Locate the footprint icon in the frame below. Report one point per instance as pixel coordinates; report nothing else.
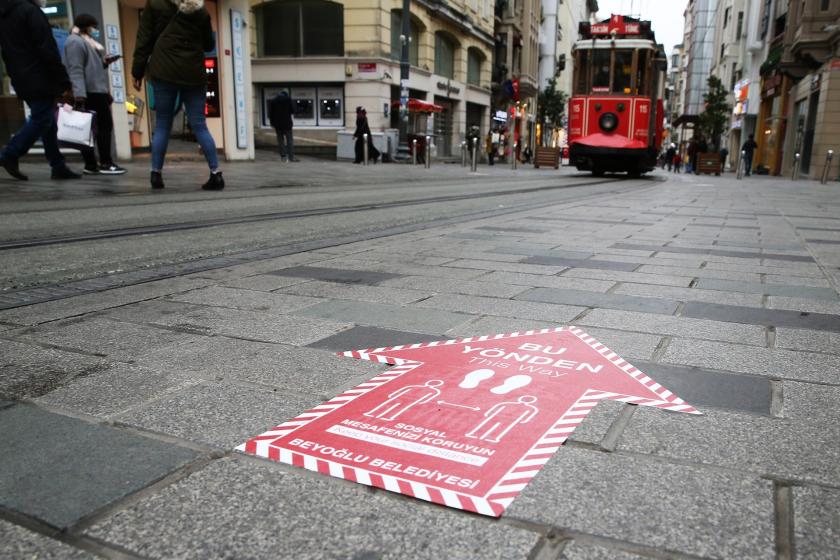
(473, 378)
(511, 384)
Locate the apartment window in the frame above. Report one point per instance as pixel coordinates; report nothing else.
(474, 60)
(444, 55)
(824, 5)
(300, 28)
(740, 26)
(726, 14)
(396, 45)
(722, 48)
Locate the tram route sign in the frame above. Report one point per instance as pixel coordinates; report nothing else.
(464, 423)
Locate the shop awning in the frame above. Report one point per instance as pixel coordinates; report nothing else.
(418, 106)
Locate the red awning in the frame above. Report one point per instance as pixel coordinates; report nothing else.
(418, 106)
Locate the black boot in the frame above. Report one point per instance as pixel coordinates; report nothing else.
(215, 183)
(64, 172)
(156, 179)
(11, 167)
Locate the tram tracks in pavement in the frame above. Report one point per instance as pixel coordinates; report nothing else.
(63, 290)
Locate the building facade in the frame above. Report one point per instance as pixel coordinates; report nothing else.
(335, 56)
(228, 107)
(698, 56)
(810, 62)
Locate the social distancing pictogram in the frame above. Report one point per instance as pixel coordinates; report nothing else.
(464, 423)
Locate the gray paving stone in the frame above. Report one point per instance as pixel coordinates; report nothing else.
(690, 294)
(767, 317)
(796, 280)
(816, 523)
(247, 300)
(799, 269)
(638, 277)
(707, 387)
(359, 338)
(680, 508)
(387, 316)
(335, 274)
(115, 390)
(356, 292)
(263, 282)
(803, 450)
(699, 273)
(59, 469)
(581, 263)
(113, 339)
(249, 509)
(498, 325)
(674, 326)
(513, 229)
(813, 341)
(28, 371)
(804, 304)
(771, 362)
(253, 325)
(801, 400)
(502, 307)
(450, 286)
(539, 250)
(594, 427)
(79, 305)
(595, 299)
(584, 551)
(17, 542)
(541, 281)
(447, 271)
(496, 266)
(718, 252)
(768, 289)
(280, 366)
(626, 344)
(220, 414)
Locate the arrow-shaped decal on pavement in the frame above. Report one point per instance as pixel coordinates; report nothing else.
(463, 423)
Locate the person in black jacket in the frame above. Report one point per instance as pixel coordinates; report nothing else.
(34, 65)
(362, 128)
(280, 110)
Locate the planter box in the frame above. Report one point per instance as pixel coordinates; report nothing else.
(708, 163)
(547, 157)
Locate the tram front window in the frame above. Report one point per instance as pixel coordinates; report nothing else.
(601, 60)
(622, 79)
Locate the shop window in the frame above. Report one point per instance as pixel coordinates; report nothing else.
(300, 28)
(444, 56)
(474, 60)
(413, 45)
(312, 105)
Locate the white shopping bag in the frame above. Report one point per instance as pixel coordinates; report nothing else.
(75, 128)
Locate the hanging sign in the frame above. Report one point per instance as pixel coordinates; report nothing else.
(463, 423)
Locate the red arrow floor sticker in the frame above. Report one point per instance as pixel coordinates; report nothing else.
(463, 423)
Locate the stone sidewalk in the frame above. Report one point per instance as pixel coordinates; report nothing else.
(127, 405)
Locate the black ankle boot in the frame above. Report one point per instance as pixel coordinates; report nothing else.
(215, 183)
(11, 167)
(156, 179)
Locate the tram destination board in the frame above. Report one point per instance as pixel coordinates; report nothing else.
(463, 423)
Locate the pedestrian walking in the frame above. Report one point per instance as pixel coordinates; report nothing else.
(490, 148)
(280, 111)
(677, 162)
(87, 66)
(691, 153)
(362, 128)
(33, 63)
(748, 149)
(171, 41)
(526, 154)
(669, 156)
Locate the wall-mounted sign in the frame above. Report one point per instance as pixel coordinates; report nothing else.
(366, 67)
(238, 44)
(448, 88)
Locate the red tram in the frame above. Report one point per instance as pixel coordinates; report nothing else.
(615, 112)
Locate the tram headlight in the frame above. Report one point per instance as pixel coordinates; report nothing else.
(608, 122)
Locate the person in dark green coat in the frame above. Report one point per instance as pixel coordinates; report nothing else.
(171, 42)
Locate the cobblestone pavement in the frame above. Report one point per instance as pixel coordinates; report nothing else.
(123, 407)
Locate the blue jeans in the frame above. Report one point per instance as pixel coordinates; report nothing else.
(193, 98)
(40, 124)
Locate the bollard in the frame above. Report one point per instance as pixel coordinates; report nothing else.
(365, 140)
(827, 166)
(428, 157)
(414, 151)
(795, 173)
(740, 173)
(474, 159)
(513, 156)
(464, 153)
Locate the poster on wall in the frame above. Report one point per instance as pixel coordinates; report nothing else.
(239, 78)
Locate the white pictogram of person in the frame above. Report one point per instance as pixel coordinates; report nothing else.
(502, 417)
(404, 398)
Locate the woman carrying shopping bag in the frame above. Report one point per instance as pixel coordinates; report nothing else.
(87, 66)
(171, 42)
